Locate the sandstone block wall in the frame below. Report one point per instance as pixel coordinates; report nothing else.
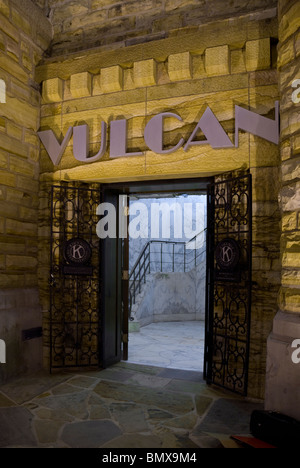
(22, 44)
(283, 375)
(289, 67)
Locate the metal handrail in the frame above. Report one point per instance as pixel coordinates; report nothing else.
(142, 266)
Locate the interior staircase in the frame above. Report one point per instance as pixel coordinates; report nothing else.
(185, 256)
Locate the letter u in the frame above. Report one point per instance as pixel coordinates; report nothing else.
(81, 143)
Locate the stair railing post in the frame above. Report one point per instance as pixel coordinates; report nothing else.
(173, 258)
(139, 276)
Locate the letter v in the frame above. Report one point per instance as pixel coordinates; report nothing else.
(54, 149)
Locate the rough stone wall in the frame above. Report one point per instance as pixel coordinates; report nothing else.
(283, 375)
(79, 25)
(22, 44)
(289, 67)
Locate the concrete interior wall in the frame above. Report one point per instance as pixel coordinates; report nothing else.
(173, 297)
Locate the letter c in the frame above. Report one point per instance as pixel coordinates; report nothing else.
(154, 134)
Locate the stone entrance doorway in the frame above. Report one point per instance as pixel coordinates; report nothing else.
(167, 279)
(89, 320)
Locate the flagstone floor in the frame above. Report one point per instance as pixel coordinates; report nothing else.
(125, 406)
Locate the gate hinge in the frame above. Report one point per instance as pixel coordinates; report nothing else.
(125, 338)
(125, 275)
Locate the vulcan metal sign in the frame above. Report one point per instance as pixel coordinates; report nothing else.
(214, 134)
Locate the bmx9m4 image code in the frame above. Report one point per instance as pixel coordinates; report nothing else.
(172, 457)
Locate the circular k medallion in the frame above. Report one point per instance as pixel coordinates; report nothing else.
(227, 254)
(77, 252)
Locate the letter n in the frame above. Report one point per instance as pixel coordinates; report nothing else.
(257, 124)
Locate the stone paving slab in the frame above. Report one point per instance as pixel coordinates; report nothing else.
(83, 381)
(152, 370)
(228, 416)
(181, 375)
(187, 421)
(130, 417)
(47, 430)
(175, 385)
(25, 388)
(177, 404)
(114, 374)
(89, 434)
(15, 427)
(5, 402)
(74, 404)
(152, 381)
(155, 414)
(121, 407)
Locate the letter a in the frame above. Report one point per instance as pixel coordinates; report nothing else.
(54, 149)
(107, 226)
(212, 129)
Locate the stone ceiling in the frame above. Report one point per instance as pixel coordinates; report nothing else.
(85, 24)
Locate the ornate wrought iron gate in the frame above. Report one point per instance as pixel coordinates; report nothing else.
(75, 282)
(228, 308)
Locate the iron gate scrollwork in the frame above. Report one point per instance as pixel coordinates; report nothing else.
(229, 283)
(74, 288)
